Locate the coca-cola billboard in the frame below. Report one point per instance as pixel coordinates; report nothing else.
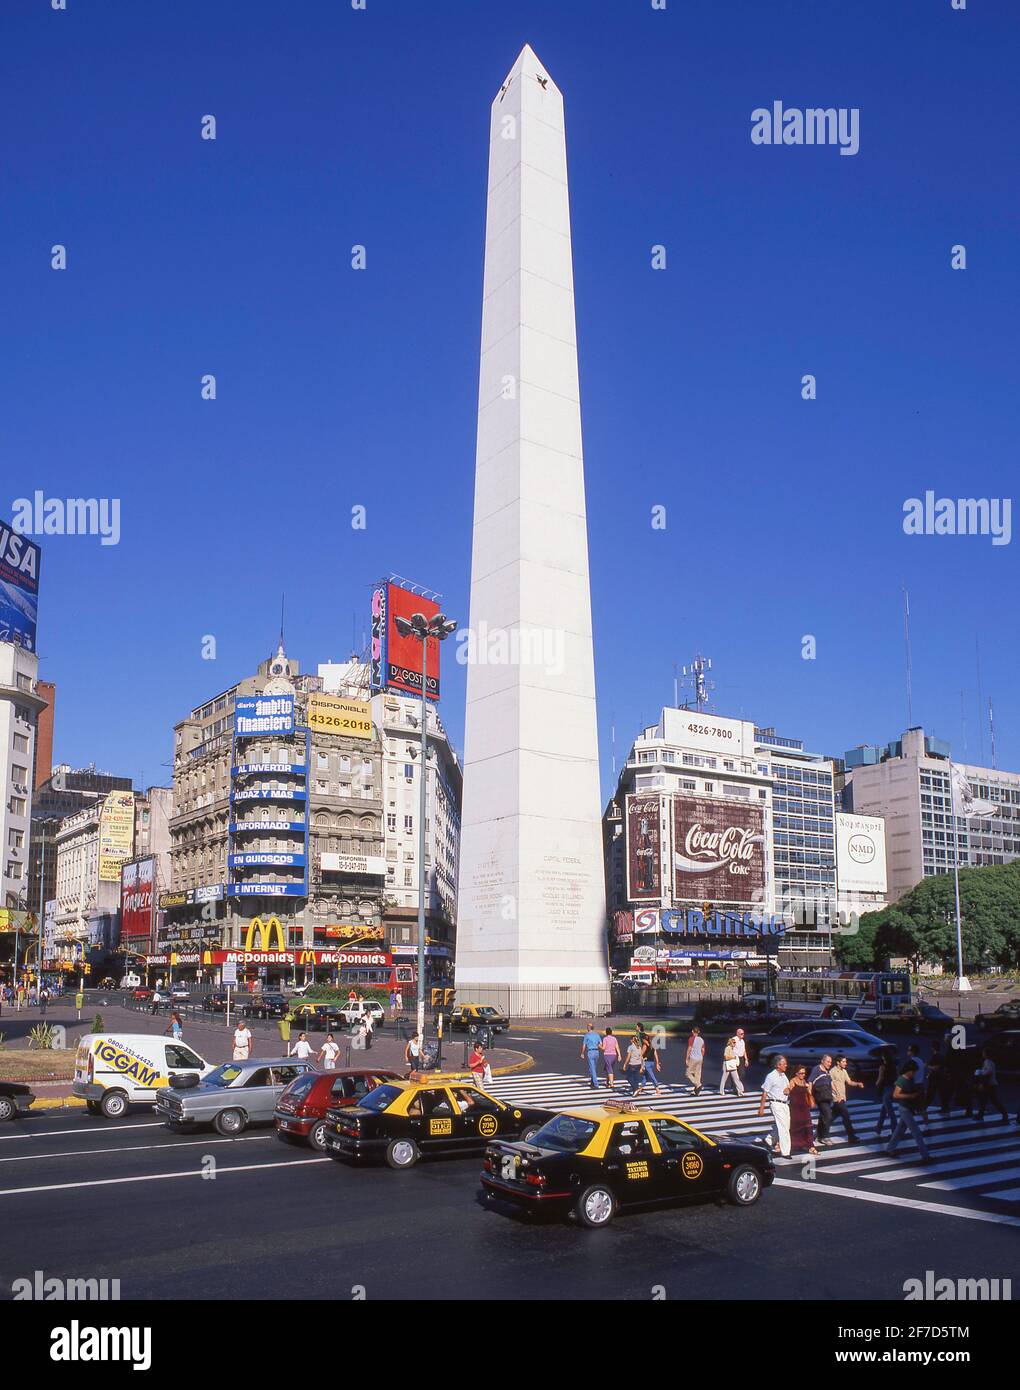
(644, 848)
(718, 851)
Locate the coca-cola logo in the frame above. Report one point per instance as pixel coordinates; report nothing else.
(732, 847)
(861, 849)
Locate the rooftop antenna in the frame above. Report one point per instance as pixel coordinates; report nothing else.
(963, 722)
(906, 640)
(981, 721)
(696, 677)
(991, 728)
(283, 599)
(676, 687)
(612, 729)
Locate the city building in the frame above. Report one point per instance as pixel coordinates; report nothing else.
(64, 792)
(908, 783)
(716, 821)
(42, 754)
(20, 706)
(397, 716)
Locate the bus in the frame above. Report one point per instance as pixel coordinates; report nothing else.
(857, 994)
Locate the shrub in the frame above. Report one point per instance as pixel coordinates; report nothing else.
(41, 1037)
(97, 1024)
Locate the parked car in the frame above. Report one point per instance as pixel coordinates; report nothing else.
(1004, 1050)
(180, 994)
(216, 1002)
(470, 1017)
(315, 1016)
(15, 1099)
(142, 992)
(232, 1097)
(916, 1018)
(1005, 1016)
(301, 1110)
(115, 1070)
(271, 1005)
(355, 1010)
(161, 996)
(863, 1050)
(789, 1028)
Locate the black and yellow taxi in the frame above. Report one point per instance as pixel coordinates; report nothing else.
(402, 1121)
(471, 1018)
(597, 1160)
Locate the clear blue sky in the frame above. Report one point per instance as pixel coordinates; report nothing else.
(338, 387)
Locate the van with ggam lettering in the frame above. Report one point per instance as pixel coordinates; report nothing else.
(115, 1070)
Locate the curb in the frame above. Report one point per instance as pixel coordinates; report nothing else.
(56, 1103)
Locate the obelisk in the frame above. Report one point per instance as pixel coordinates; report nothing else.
(531, 906)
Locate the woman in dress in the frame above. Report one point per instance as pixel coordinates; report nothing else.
(802, 1133)
(610, 1056)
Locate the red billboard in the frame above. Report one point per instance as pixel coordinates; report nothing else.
(136, 899)
(644, 848)
(396, 660)
(718, 851)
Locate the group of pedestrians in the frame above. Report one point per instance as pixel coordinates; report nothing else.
(792, 1093)
(734, 1063)
(24, 996)
(637, 1066)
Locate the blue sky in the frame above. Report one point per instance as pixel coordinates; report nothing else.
(338, 388)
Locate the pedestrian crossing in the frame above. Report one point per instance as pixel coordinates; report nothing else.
(978, 1162)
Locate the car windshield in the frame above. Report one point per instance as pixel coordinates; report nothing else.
(379, 1099)
(222, 1076)
(487, 1012)
(566, 1133)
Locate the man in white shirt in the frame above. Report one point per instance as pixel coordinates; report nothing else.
(776, 1090)
(740, 1052)
(302, 1048)
(242, 1042)
(329, 1052)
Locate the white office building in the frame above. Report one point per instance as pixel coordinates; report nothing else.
(20, 706)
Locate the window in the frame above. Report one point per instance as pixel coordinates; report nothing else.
(19, 773)
(391, 820)
(16, 838)
(14, 869)
(17, 805)
(20, 743)
(322, 761)
(408, 825)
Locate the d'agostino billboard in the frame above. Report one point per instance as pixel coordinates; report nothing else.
(396, 660)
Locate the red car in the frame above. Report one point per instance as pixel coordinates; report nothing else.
(141, 993)
(301, 1110)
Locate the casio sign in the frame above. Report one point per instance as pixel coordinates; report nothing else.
(861, 849)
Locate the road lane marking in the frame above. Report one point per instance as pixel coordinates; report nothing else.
(82, 1133)
(910, 1202)
(158, 1177)
(922, 1169)
(975, 1180)
(883, 1160)
(133, 1148)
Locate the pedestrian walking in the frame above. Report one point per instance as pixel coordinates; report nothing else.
(368, 1023)
(740, 1052)
(731, 1068)
(476, 1063)
(393, 1002)
(44, 999)
(302, 1048)
(175, 1028)
(590, 1047)
(936, 1083)
(695, 1059)
(802, 1133)
(610, 1057)
(632, 1065)
(329, 1052)
(921, 1077)
(400, 1001)
(650, 1065)
(907, 1099)
(988, 1087)
(821, 1089)
(885, 1083)
(413, 1053)
(775, 1089)
(841, 1081)
(243, 1042)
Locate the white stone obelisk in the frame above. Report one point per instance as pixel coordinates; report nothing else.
(532, 908)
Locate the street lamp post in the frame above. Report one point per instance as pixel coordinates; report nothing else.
(440, 627)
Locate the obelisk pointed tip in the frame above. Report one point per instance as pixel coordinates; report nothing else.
(529, 67)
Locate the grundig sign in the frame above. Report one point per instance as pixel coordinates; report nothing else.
(265, 930)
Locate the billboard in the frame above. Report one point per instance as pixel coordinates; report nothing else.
(860, 854)
(263, 714)
(330, 714)
(352, 864)
(718, 850)
(709, 733)
(19, 588)
(136, 898)
(644, 848)
(116, 834)
(396, 660)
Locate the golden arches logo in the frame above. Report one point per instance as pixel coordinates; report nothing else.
(265, 930)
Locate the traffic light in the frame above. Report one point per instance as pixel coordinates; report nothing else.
(86, 969)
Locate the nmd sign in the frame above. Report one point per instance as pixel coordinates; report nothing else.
(860, 854)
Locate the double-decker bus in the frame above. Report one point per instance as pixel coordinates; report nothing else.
(859, 994)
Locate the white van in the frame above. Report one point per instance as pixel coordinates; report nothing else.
(115, 1070)
(131, 981)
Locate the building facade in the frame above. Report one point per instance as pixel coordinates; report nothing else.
(42, 756)
(907, 782)
(20, 706)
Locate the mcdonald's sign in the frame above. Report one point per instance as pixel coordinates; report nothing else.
(265, 931)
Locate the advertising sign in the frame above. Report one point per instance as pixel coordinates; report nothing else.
(352, 864)
(263, 714)
(644, 848)
(354, 932)
(709, 733)
(116, 834)
(860, 854)
(136, 898)
(265, 859)
(396, 660)
(718, 850)
(267, 890)
(19, 588)
(329, 714)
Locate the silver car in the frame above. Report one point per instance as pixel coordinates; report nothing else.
(863, 1050)
(232, 1097)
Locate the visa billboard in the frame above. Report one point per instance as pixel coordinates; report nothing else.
(19, 588)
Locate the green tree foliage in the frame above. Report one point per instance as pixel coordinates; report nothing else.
(922, 924)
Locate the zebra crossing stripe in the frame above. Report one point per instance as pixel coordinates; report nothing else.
(883, 1160)
(975, 1180)
(901, 1203)
(955, 1164)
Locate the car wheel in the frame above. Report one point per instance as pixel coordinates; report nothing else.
(402, 1153)
(528, 1134)
(317, 1136)
(229, 1122)
(595, 1207)
(8, 1110)
(113, 1105)
(92, 1106)
(744, 1187)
